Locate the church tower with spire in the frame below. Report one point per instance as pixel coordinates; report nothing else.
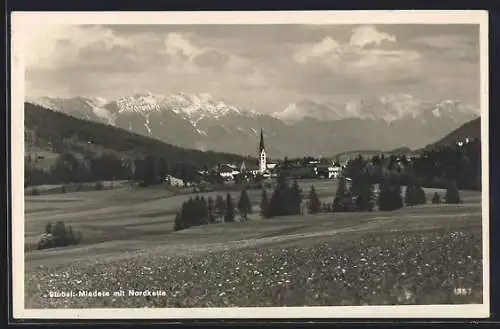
(262, 154)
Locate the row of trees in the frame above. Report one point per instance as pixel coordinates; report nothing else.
(286, 199)
(360, 196)
(201, 211)
(75, 167)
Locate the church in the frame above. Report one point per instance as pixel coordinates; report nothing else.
(264, 167)
(229, 171)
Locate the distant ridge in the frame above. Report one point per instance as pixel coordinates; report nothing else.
(307, 127)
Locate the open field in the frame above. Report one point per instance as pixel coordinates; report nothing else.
(415, 255)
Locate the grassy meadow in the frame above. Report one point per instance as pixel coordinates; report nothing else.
(414, 255)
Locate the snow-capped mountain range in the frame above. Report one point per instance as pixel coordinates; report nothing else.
(389, 108)
(305, 127)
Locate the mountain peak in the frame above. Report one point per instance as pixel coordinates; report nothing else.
(202, 122)
(389, 107)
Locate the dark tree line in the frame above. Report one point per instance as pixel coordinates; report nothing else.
(439, 167)
(73, 168)
(434, 168)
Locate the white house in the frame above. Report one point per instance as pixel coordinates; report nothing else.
(228, 171)
(334, 171)
(174, 181)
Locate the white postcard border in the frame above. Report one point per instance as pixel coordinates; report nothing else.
(20, 20)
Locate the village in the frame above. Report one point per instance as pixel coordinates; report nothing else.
(307, 167)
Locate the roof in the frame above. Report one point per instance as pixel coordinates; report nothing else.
(261, 145)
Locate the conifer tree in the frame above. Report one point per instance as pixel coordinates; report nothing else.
(229, 216)
(204, 211)
(276, 204)
(452, 194)
(420, 197)
(314, 205)
(264, 205)
(188, 213)
(363, 190)
(389, 196)
(177, 222)
(244, 204)
(279, 204)
(210, 210)
(296, 193)
(397, 197)
(162, 169)
(220, 205)
(183, 218)
(149, 171)
(342, 187)
(197, 209)
(410, 195)
(340, 200)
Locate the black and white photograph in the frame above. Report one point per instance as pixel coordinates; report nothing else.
(250, 164)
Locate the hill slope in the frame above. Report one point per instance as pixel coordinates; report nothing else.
(53, 133)
(471, 130)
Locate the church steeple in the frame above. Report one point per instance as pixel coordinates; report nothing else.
(261, 145)
(262, 153)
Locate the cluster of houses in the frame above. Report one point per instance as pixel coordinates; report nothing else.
(311, 169)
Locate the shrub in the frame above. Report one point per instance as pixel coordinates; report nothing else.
(436, 198)
(48, 228)
(343, 204)
(99, 186)
(58, 235)
(46, 241)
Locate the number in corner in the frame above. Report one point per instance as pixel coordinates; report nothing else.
(462, 291)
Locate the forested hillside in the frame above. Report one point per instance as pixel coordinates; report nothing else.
(470, 130)
(89, 151)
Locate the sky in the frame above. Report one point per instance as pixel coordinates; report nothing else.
(259, 67)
